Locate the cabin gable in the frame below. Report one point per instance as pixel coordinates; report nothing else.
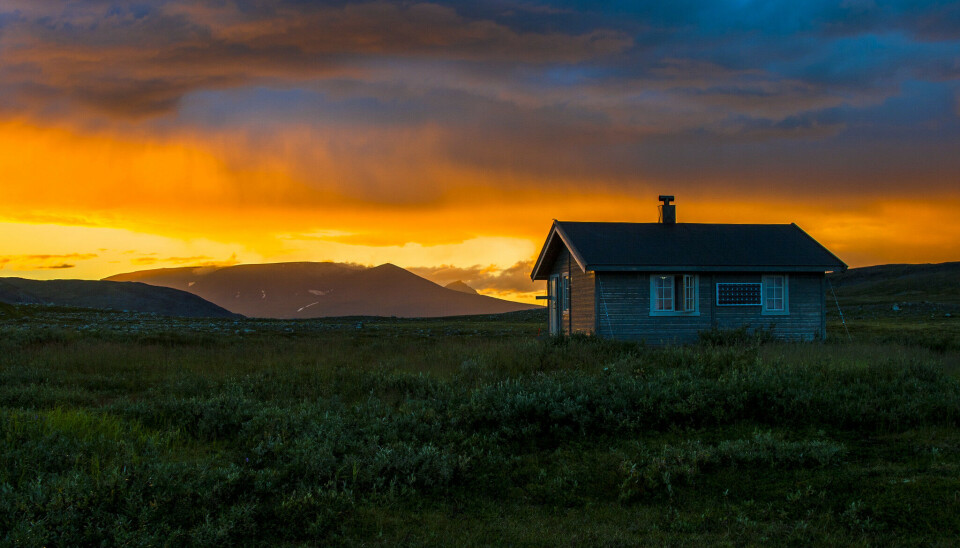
(577, 315)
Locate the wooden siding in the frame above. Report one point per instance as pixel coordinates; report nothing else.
(805, 301)
(623, 309)
(624, 303)
(581, 317)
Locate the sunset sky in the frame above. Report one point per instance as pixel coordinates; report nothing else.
(445, 137)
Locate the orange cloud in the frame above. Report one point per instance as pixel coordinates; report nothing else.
(42, 262)
(197, 260)
(189, 188)
(510, 283)
(268, 203)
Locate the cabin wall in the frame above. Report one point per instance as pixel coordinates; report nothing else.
(623, 309)
(623, 302)
(806, 304)
(581, 317)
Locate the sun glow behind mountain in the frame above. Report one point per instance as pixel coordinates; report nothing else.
(444, 139)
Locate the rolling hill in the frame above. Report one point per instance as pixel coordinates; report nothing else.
(893, 283)
(314, 290)
(136, 297)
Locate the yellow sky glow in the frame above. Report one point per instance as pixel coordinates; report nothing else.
(93, 204)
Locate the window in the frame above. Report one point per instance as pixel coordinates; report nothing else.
(689, 293)
(553, 290)
(565, 293)
(674, 295)
(771, 294)
(775, 295)
(738, 294)
(663, 295)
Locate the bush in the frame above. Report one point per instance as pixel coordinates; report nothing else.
(297, 441)
(657, 472)
(740, 336)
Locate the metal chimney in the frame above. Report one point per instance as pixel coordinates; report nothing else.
(668, 211)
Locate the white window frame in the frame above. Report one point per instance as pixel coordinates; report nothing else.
(687, 294)
(767, 286)
(565, 292)
(691, 290)
(664, 293)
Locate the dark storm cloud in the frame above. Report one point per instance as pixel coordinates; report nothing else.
(131, 60)
(109, 54)
(830, 94)
(134, 98)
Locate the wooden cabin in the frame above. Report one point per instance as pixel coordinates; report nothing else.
(665, 282)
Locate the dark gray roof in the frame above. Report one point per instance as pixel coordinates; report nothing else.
(685, 247)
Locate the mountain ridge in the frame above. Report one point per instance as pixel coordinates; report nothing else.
(462, 287)
(132, 296)
(322, 289)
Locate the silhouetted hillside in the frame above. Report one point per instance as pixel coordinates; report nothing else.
(135, 297)
(893, 283)
(313, 290)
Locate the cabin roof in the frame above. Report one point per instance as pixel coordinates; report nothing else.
(686, 247)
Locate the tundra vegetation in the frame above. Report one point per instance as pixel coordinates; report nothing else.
(120, 428)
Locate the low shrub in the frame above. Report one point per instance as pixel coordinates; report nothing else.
(739, 336)
(657, 472)
(251, 440)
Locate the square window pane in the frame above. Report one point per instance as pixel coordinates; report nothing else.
(774, 288)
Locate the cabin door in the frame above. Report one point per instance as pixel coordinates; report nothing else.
(553, 292)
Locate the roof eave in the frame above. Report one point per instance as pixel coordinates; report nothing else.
(716, 268)
(535, 273)
(556, 230)
(567, 241)
(842, 265)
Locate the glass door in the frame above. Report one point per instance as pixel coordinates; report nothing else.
(553, 292)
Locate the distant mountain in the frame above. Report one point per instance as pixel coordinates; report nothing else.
(460, 286)
(136, 297)
(314, 290)
(890, 283)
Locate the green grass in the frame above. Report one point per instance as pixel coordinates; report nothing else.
(133, 429)
(938, 333)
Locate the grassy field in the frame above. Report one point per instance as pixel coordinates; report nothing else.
(127, 429)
